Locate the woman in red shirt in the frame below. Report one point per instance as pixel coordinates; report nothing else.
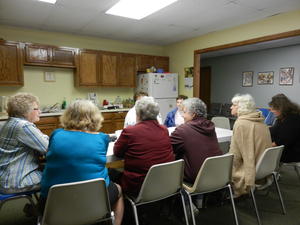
(145, 144)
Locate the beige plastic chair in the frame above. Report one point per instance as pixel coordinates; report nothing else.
(266, 166)
(78, 203)
(162, 181)
(222, 122)
(214, 174)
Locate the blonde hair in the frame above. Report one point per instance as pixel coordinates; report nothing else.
(20, 104)
(245, 104)
(82, 115)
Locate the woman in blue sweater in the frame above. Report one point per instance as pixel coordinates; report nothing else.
(77, 152)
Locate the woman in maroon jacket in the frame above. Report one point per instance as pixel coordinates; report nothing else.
(196, 139)
(145, 144)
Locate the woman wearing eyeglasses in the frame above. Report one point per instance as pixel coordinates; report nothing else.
(21, 143)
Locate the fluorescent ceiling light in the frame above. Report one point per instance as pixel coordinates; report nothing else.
(138, 9)
(48, 1)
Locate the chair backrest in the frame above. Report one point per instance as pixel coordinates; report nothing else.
(268, 162)
(161, 181)
(77, 203)
(214, 173)
(222, 122)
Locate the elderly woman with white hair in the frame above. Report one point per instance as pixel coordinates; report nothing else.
(196, 139)
(21, 142)
(251, 137)
(145, 144)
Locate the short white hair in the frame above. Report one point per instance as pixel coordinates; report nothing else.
(146, 108)
(195, 106)
(245, 103)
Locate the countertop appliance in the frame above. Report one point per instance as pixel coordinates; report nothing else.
(163, 87)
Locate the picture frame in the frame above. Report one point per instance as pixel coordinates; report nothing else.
(265, 77)
(247, 79)
(286, 76)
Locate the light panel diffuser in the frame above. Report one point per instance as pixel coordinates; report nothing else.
(138, 9)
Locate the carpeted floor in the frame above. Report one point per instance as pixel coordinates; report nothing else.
(268, 205)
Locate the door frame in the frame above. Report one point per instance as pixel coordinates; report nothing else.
(197, 53)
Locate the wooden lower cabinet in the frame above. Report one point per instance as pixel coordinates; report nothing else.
(48, 124)
(112, 121)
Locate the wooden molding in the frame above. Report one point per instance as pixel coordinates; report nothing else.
(250, 41)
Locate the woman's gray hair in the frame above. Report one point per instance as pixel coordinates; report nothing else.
(245, 103)
(19, 105)
(146, 108)
(82, 115)
(195, 106)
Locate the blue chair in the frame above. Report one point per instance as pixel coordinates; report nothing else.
(264, 111)
(27, 195)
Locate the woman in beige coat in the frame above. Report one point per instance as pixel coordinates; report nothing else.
(251, 137)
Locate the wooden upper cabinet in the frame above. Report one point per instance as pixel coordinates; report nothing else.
(43, 55)
(127, 70)
(11, 64)
(37, 54)
(161, 62)
(63, 56)
(144, 62)
(87, 73)
(109, 68)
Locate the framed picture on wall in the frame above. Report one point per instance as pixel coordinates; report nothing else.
(286, 76)
(265, 77)
(247, 78)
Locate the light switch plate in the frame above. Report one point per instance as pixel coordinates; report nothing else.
(49, 76)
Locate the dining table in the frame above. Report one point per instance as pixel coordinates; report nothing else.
(223, 135)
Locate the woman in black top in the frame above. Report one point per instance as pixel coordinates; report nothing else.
(286, 130)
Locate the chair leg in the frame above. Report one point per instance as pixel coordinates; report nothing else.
(233, 205)
(296, 167)
(279, 193)
(255, 206)
(134, 211)
(184, 208)
(191, 208)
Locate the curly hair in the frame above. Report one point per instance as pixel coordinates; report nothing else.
(246, 104)
(146, 108)
(82, 115)
(20, 104)
(195, 106)
(284, 105)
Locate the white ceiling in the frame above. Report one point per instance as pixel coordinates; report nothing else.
(182, 20)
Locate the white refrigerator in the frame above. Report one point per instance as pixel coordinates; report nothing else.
(163, 87)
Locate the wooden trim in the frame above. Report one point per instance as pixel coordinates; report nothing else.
(196, 80)
(250, 41)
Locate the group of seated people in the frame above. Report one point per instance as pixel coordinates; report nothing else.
(77, 151)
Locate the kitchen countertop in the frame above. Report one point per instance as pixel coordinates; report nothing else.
(4, 117)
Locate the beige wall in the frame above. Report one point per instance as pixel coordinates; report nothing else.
(182, 54)
(52, 92)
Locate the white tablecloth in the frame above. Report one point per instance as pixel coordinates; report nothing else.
(223, 135)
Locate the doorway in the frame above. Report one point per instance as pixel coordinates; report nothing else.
(205, 85)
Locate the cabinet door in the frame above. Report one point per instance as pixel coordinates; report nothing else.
(87, 73)
(37, 54)
(109, 68)
(127, 70)
(63, 56)
(11, 64)
(161, 62)
(47, 124)
(144, 62)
